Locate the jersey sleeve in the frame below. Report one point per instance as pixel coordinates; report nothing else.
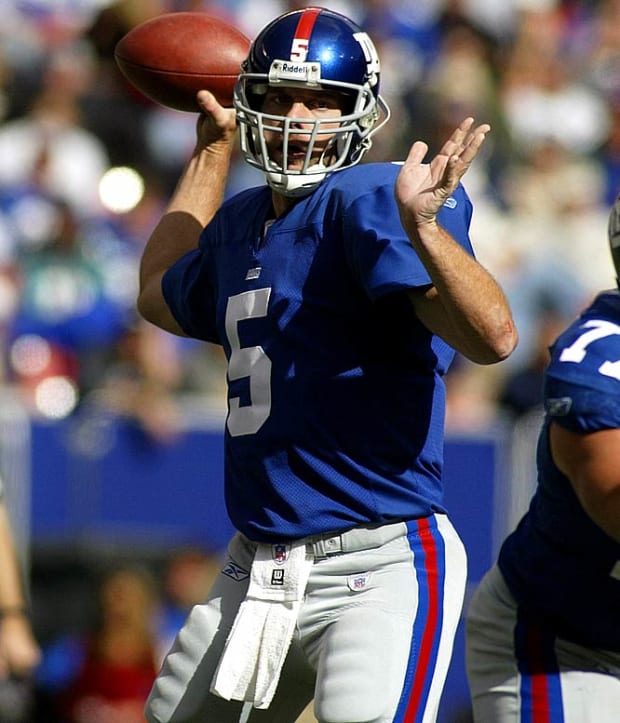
(582, 382)
(379, 250)
(188, 291)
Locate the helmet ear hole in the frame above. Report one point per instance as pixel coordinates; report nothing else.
(349, 101)
(255, 94)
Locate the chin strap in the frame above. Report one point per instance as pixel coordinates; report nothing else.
(296, 185)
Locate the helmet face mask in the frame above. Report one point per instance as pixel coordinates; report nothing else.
(309, 50)
(613, 233)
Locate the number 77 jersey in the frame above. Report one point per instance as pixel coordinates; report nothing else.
(582, 382)
(558, 559)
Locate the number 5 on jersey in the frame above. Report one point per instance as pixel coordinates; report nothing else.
(250, 362)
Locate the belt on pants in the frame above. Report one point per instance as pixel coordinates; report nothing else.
(358, 538)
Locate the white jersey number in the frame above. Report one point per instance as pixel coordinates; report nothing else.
(597, 329)
(251, 362)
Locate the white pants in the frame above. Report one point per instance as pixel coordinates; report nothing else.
(373, 642)
(574, 684)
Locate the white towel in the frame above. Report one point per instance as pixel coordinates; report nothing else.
(258, 642)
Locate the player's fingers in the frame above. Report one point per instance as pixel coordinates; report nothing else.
(458, 137)
(462, 137)
(482, 128)
(477, 138)
(458, 163)
(417, 152)
(215, 122)
(208, 102)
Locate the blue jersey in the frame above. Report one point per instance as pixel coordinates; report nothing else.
(336, 397)
(558, 563)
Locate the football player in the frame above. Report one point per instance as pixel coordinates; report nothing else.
(340, 293)
(543, 629)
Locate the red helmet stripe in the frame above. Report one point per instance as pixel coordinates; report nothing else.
(304, 29)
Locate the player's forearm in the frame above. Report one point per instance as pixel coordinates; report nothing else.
(200, 190)
(474, 316)
(197, 197)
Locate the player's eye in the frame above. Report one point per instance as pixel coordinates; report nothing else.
(281, 100)
(320, 104)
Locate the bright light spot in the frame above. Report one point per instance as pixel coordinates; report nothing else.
(121, 189)
(56, 397)
(30, 355)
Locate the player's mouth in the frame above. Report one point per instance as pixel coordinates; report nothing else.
(296, 154)
(295, 149)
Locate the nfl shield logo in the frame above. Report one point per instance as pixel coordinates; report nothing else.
(280, 554)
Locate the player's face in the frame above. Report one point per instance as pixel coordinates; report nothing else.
(306, 106)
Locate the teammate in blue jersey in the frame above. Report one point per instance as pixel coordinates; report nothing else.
(543, 630)
(340, 293)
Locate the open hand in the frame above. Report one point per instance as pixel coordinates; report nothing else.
(422, 188)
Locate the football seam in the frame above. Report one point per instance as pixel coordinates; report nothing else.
(165, 71)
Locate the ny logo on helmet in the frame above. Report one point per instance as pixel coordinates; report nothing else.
(371, 55)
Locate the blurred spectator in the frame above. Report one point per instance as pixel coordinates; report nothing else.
(543, 254)
(140, 381)
(604, 59)
(542, 95)
(113, 109)
(187, 578)
(64, 303)
(19, 651)
(104, 675)
(470, 398)
(49, 147)
(407, 36)
(462, 81)
(609, 153)
(5, 81)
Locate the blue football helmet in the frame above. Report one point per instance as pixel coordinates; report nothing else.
(311, 49)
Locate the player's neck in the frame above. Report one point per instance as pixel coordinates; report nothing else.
(281, 204)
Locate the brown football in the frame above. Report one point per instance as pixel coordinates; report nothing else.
(171, 57)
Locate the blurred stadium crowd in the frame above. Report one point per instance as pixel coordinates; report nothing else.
(87, 164)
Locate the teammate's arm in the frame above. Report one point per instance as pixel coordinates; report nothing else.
(465, 305)
(197, 197)
(592, 464)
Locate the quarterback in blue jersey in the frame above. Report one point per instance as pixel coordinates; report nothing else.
(340, 293)
(543, 632)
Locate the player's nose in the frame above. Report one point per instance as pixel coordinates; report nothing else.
(298, 109)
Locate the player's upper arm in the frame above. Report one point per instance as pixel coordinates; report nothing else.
(153, 307)
(592, 464)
